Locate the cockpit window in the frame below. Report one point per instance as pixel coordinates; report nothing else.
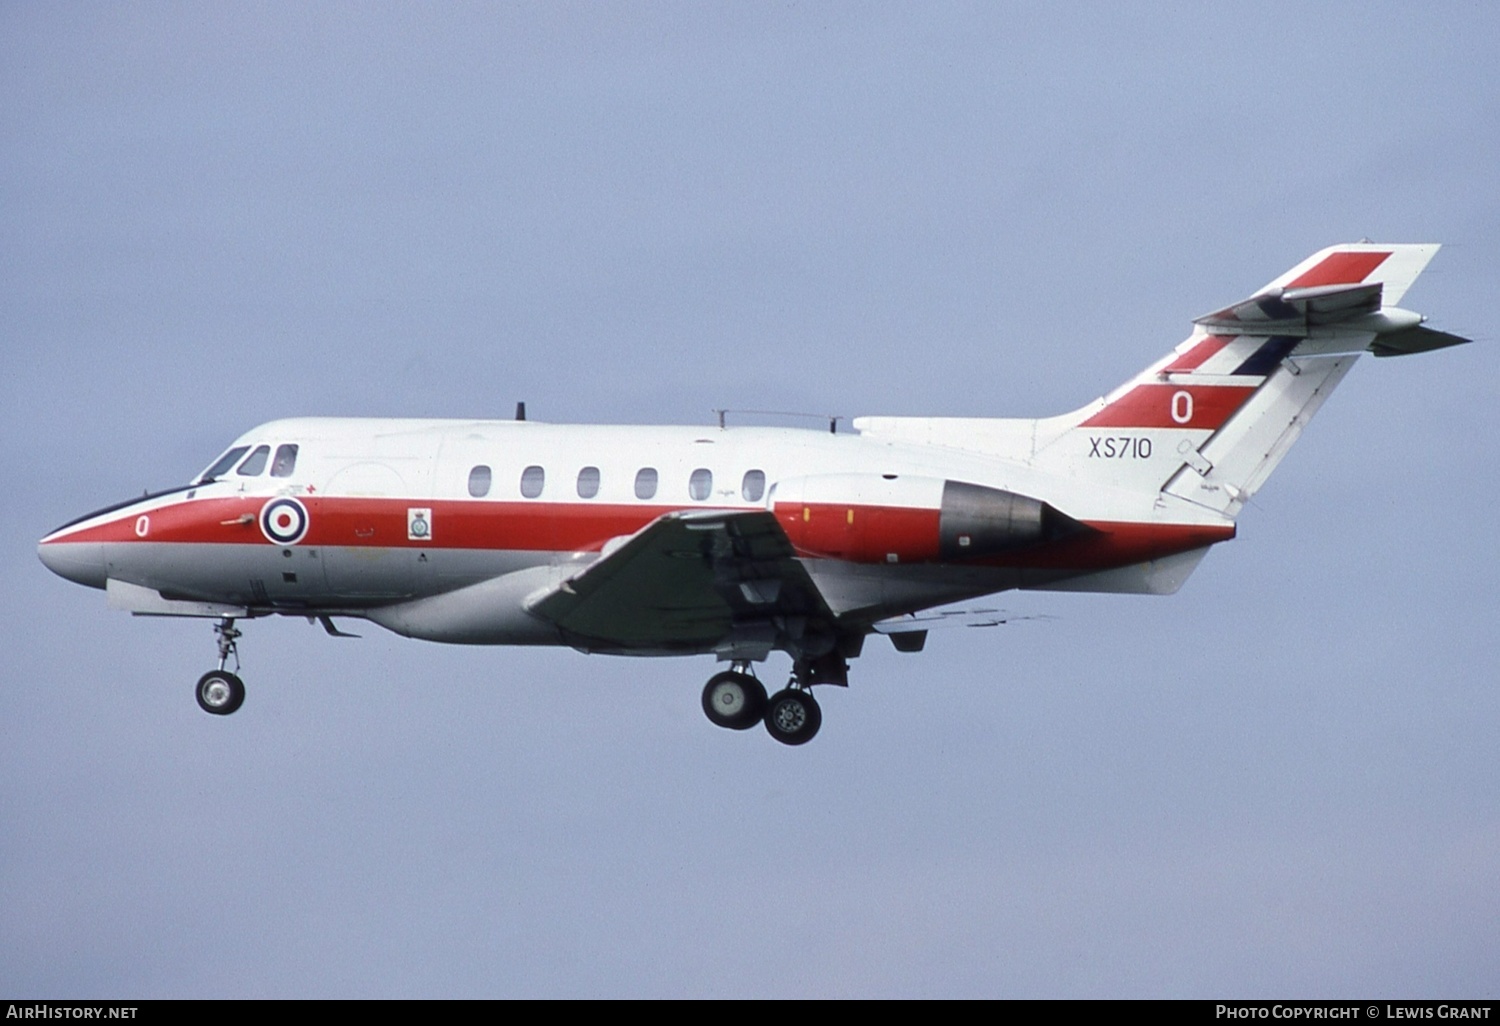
(223, 463)
(285, 461)
(255, 463)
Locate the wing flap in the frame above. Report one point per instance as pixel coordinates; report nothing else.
(687, 582)
(935, 618)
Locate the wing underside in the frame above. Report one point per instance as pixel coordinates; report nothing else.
(722, 581)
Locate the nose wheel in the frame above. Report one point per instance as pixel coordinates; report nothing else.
(221, 692)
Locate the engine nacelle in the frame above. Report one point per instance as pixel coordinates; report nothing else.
(899, 518)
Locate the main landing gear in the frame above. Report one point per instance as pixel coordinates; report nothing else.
(736, 700)
(793, 716)
(219, 691)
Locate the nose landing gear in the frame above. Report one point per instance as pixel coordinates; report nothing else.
(219, 691)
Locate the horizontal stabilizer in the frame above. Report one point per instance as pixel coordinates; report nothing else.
(1295, 310)
(1414, 340)
(1393, 265)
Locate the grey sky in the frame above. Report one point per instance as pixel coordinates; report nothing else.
(1280, 781)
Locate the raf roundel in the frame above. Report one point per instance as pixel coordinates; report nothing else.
(283, 521)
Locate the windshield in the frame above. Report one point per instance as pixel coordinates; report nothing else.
(222, 464)
(255, 463)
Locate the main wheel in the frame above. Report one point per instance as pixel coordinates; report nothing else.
(793, 717)
(734, 700)
(220, 692)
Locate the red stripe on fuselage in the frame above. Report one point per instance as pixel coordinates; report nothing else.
(382, 523)
(861, 534)
(872, 534)
(1173, 406)
(190, 521)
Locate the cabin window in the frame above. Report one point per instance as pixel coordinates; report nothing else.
(223, 463)
(532, 480)
(701, 484)
(645, 483)
(588, 482)
(754, 485)
(285, 461)
(255, 463)
(479, 481)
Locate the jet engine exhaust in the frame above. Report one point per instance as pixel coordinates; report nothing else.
(975, 521)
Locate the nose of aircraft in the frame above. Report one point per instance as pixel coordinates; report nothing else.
(81, 562)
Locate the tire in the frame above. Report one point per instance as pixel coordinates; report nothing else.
(734, 700)
(793, 717)
(220, 692)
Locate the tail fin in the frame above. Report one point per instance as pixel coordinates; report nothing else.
(1209, 421)
(1300, 335)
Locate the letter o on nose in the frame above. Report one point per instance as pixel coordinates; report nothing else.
(142, 526)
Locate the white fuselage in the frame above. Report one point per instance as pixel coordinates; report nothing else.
(388, 513)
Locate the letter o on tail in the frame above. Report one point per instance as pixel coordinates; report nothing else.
(283, 521)
(1182, 407)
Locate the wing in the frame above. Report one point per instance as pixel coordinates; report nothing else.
(724, 581)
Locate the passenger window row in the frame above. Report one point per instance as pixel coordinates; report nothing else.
(700, 483)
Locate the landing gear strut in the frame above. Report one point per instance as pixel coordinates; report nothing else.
(219, 691)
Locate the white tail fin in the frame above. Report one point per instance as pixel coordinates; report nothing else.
(1209, 421)
(1226, 469)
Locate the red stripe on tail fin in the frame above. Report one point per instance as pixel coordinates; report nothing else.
(1339, 269)
(1173, 406)
(1198, 355)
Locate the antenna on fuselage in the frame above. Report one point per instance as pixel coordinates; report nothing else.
(833, 421)
(520, 411)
